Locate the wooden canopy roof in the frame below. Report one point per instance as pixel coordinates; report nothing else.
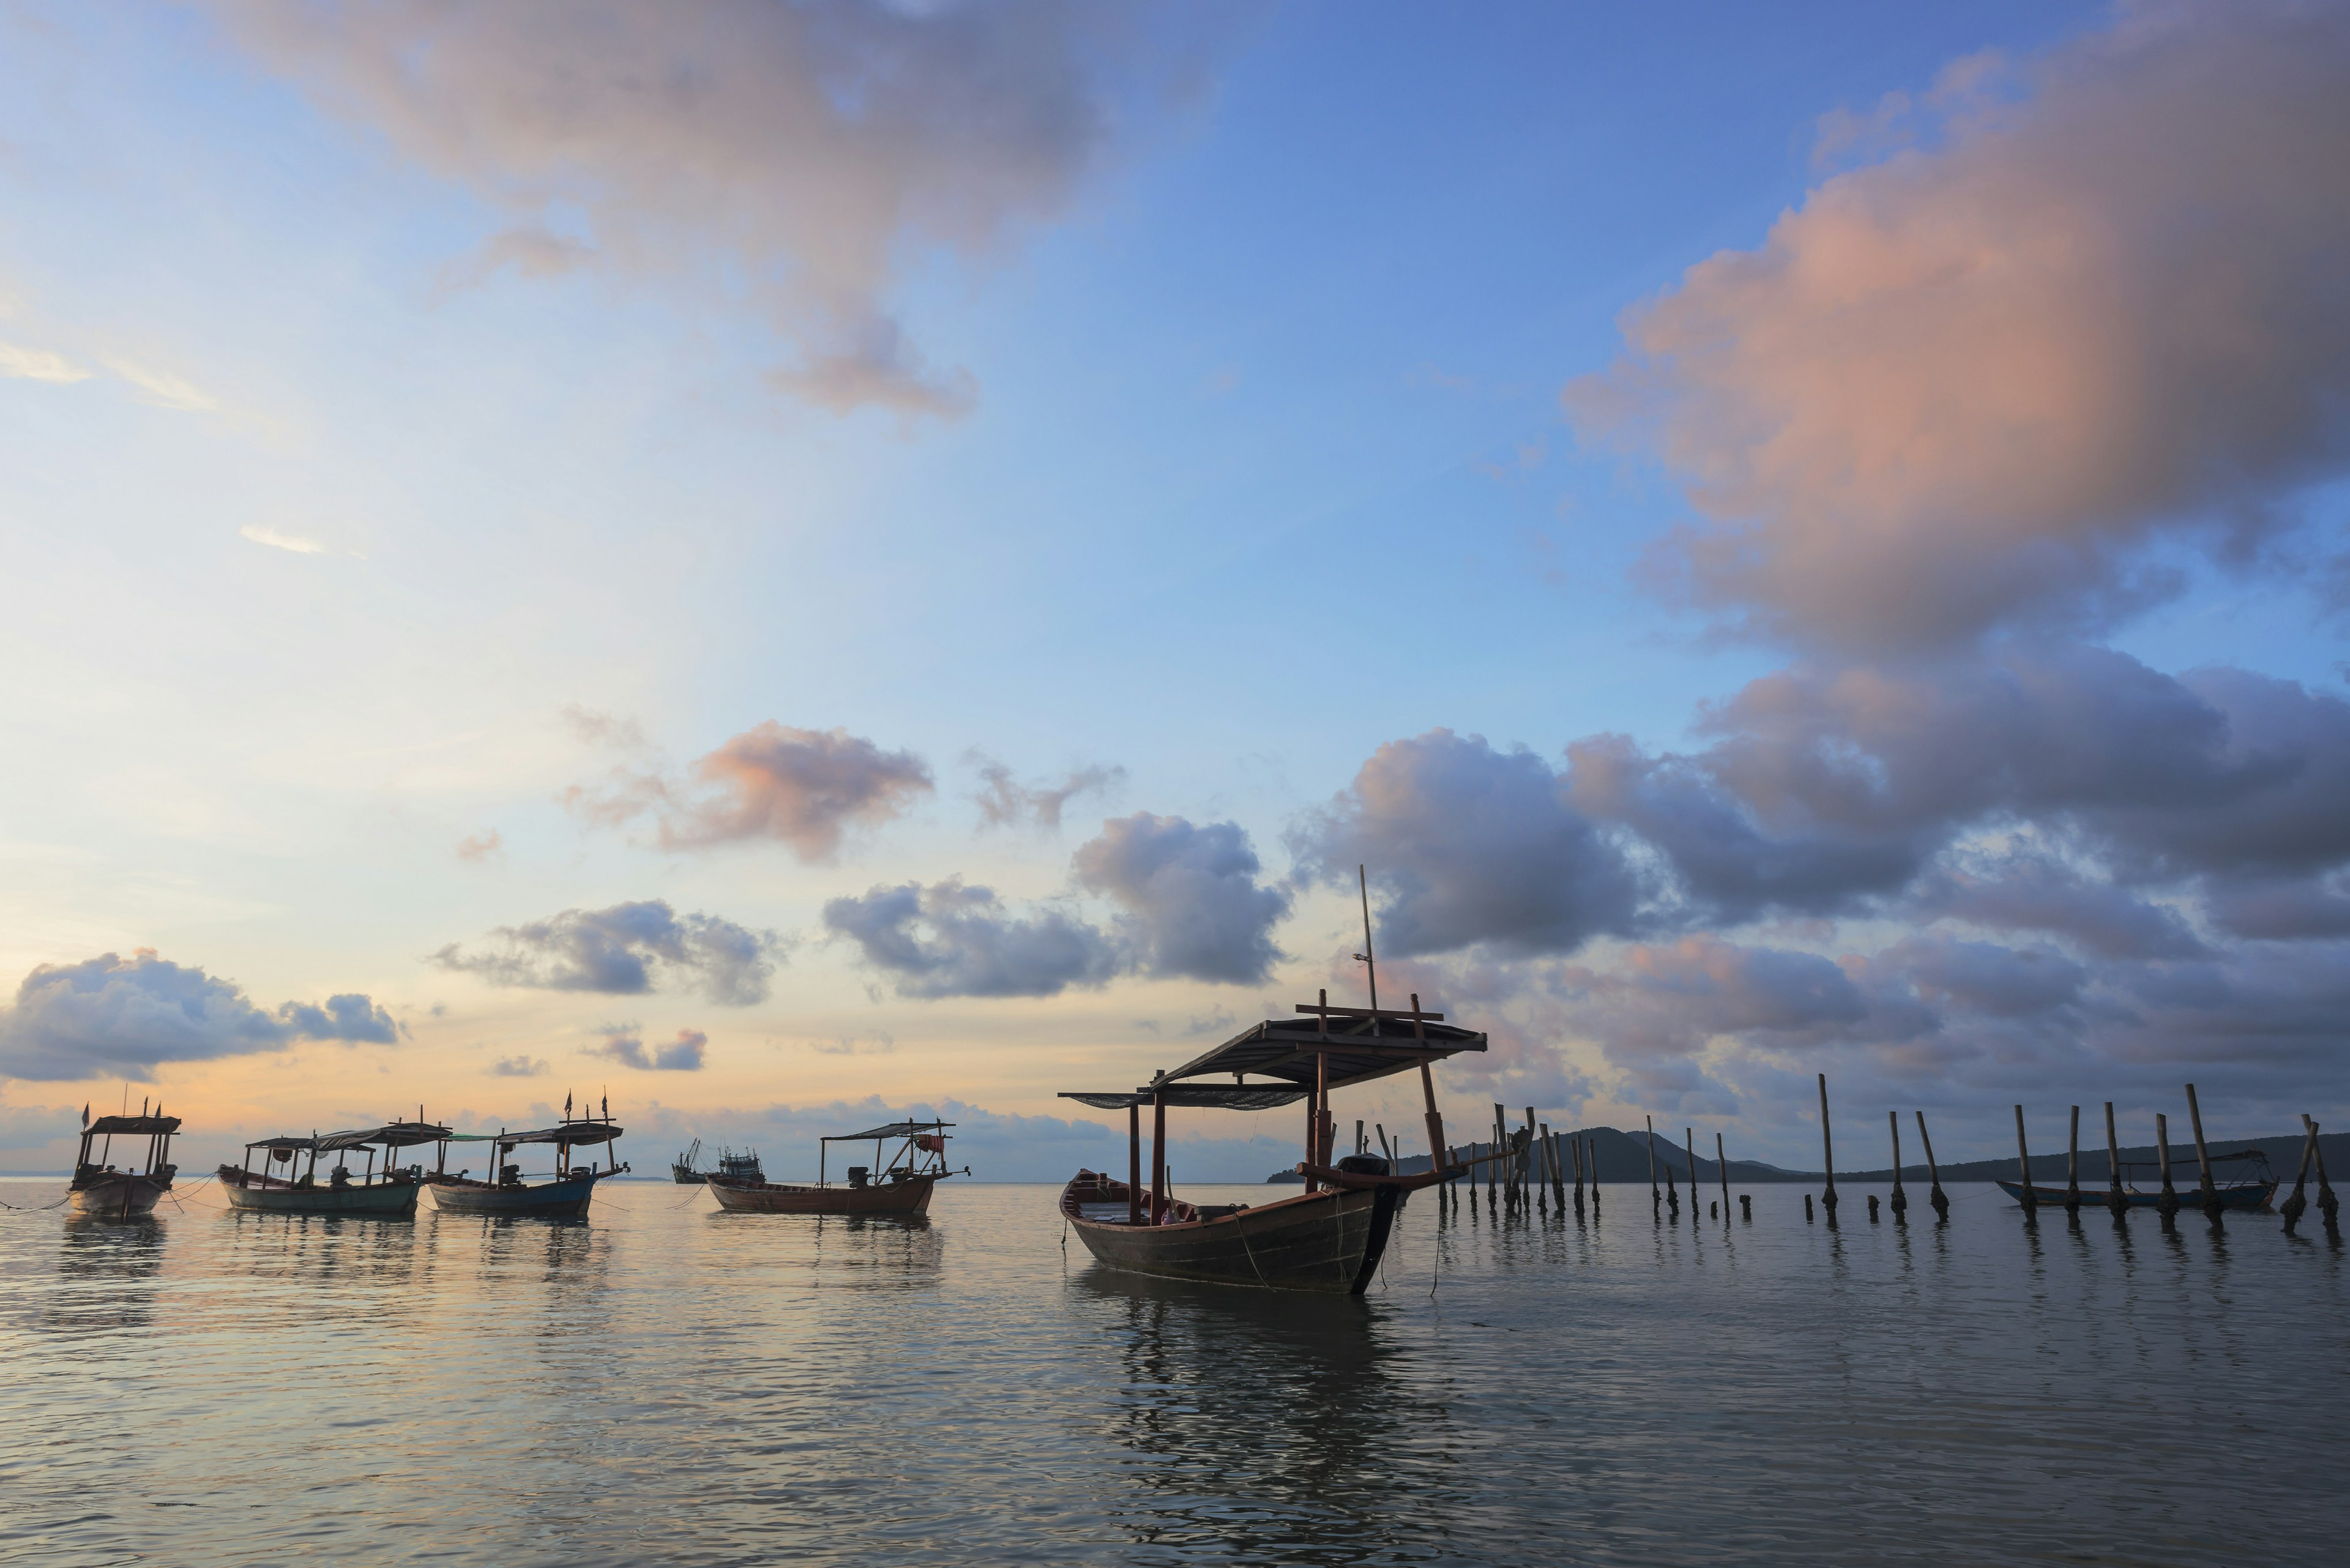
(1360, 1044)
(118, 1125)
(1216, 1096)
(894, 1129)
(576, 1133)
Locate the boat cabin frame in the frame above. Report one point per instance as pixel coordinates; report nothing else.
(157, 1128)
(922, 1151)
(589, 1132)
(289, 1150)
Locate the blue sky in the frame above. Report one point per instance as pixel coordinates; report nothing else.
(393, 470)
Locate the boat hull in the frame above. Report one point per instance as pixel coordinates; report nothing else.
(2254, 1197)
(120, 1196)
(1327, 1241)
(909, 1196)
(382, 1200)
(564, 1199)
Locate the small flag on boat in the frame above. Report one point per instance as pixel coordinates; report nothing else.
(608, 1107)
(85, 1114)
(567, 1102)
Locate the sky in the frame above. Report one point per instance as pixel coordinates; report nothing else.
(781, 565)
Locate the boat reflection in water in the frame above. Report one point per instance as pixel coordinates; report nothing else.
(1329, 1237)
(109, 1268)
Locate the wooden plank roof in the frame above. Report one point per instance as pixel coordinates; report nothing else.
(1214, 1097)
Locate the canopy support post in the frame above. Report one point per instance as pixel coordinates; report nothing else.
(1158, 1151)
(1134, 1163)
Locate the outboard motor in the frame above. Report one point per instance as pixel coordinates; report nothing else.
(858, 1175)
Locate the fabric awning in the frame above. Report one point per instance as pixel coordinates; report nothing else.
(895, 1129)
(1360, 1045)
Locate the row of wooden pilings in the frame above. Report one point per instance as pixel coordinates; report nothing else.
(1525, 1172)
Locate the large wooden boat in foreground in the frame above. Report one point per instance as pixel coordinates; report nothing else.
(386, 1194)
(1328, 1238)
(564, 1194)
(99, 1188)
(900, 1185)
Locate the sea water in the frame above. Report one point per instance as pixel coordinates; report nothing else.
(665, 1384)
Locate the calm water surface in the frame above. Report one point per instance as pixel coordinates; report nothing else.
(665, 1383)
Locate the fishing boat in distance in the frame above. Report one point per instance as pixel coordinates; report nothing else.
(681, 1169)
(2252, 1187)
(386, 1194)
(563, 1194)
(97, 1188)
(900, 1186)
(1328, 1238)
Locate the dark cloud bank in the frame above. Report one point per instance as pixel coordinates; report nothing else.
(112, 1017)
(625, 950)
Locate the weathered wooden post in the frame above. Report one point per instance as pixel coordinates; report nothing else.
(1575, 1148)
(2294, 1207)
(2328, 1204)
(2072, 1167)
(1933, 1174)
(1722, 1169)
(2117, 1200)
(2203, 1159)
(1689, 1152)
(1543, 1182)
(2169, 1205)
(1591, 1154)
(1827, 1153)
(1807, 1208)
(2023, 1161)
(1528, 1163)
(1900, 1199)
(1557, 1169)
(1746, 1206)
(1656, 1198)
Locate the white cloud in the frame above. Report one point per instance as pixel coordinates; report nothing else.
(277, 540)
(20, 363)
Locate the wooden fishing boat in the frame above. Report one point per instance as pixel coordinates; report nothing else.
(2251, 1189)
(900, 1186)
(681, 1169)
(1330, 1237)
(99, 1188)
(563, 1194)
(386, 1194)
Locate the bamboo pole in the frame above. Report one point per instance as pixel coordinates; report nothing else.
(2116, 1200)
(1900, 1199)
(1827, 1153)
(2203, 1159)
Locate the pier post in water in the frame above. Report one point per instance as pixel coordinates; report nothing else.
(1722, 1169)
(1933, 1174)
(1807, 1208)
(2115, 1198)
(2294, 1207)
(2072, 1167)
(2328, 1204)
(1689, 1152)
(2168, 1207)
(1900, 1199)
(2023, 1162)
(1872, 1208)
(1746, 1206)
(1543, 1182)
(1656, 1199)
(1827, 1153)
(1575, 1148)
(1557, 1167)
(1591, 1159)
(2202, 1158)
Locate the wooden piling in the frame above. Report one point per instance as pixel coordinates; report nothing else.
(2294, 1207)
(2328, 1204)
(2023, 1162)
(1575, 1146)
(2168, 1207)
(2115, 1200)
(1827, 1153)
(1543, 1182)
(1746, 1206)
(2073, 1167)
(1935, 1196)
(1722, 1169)
(1807, 1208)
(2203, 1159)
(1656, 1199)
(1689, 1152)
(1900, 1199)
(1591, 1159)
(1872, 1208)
(1557, 1169)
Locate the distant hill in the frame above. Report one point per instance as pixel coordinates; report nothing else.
(1624, 1158)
